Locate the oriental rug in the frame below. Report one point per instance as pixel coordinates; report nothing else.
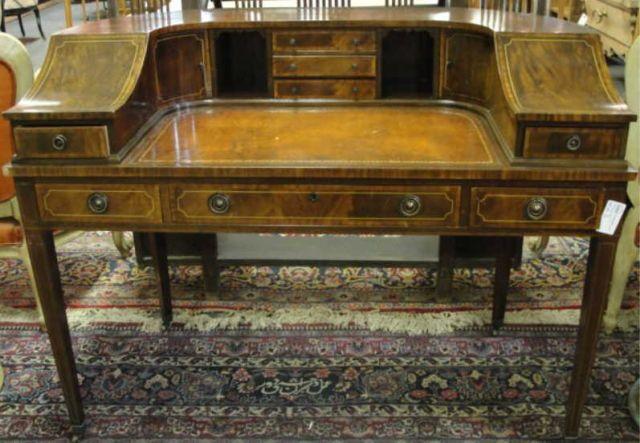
(245, 365)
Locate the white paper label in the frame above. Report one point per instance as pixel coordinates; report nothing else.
(611, 216)
(582, 21)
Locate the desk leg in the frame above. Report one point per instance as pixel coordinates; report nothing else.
(210, 268)
(47, 278)
(596, 287)
(446, 261)
(158, 251)
(504, 260)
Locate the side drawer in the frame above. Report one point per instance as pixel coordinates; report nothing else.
(343, 89)
(324, 66)
(323, 41)
(540, 208)
(62, 142)
(99, 203)
(567, 142)
(318, 205)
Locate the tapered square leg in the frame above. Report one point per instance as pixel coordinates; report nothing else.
(47, 279)
(210, 268)
(504, 260)
(596, 288)
(446, 259)
(158, 251)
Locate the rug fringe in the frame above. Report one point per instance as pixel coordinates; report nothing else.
(432, 323)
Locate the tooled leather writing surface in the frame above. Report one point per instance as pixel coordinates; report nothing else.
(344, 136)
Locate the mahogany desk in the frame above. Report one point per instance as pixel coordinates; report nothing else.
(406, 121)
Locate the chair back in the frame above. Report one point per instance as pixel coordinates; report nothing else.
(632, 97)
(16, 76)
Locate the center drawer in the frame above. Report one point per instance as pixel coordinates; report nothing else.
(324, 66)
(320, 205)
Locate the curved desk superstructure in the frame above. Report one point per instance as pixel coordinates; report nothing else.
(373, 120)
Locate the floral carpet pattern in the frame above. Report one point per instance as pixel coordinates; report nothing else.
(318, 384)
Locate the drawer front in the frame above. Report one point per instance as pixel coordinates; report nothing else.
(540, 208)
(559, 142)
(341, 89)
(324, 66)
(324, 41)
(321, 205)
(62, 142)
(617, 23)
(99, 203)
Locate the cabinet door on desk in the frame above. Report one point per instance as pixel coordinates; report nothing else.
(467, 58)
(181, 66)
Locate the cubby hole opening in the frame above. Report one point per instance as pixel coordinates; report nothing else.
(407, 64)
(241, 64)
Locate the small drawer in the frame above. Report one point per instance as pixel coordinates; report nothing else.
(99, 203)
(540, 208)
(324, 41)
(340, 89)
(324, 66)
(317, 205)
(566, 142)
(62, 142)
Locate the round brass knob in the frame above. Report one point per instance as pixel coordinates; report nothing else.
(293, 67)
(410, 205)
(98, 203)
(295, 89)
(537, 208)
(292, 42)
(219, 203)
(59, 142)
(313, 197)
(354, 66)
(356, 42)
(574, 143)
(355, 89)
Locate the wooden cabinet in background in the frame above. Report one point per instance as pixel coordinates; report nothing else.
(617, 23)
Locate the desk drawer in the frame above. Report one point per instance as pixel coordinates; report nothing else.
(540, 208)
(341, 89)
(99, 203)
(323, 41)
(62, 142)
(566, 142)
(317, 205)
(324, 66)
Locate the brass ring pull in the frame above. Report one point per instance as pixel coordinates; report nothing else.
(410, 205)
(574, 143)
(599, 15)
(59, 142)
(219, 203)
(356, 42)
(295, 89)
(293, 67)
(537, 208)
(292, 42)
(354, 66)
(355, 89)
(98, 203)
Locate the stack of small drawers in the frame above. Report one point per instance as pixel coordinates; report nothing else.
(324, 64)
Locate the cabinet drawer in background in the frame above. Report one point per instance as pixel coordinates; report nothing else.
(318, 205)
(340, 89)
(564, 142)
(99, 203)
(323, 41)
(62, 142)
(540, 208)
(324, 66)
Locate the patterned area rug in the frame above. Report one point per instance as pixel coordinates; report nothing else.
(309, 377)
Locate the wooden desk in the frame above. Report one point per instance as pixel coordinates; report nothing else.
(407, 121)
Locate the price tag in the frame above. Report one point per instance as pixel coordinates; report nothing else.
(611, 216)
(582, 21)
